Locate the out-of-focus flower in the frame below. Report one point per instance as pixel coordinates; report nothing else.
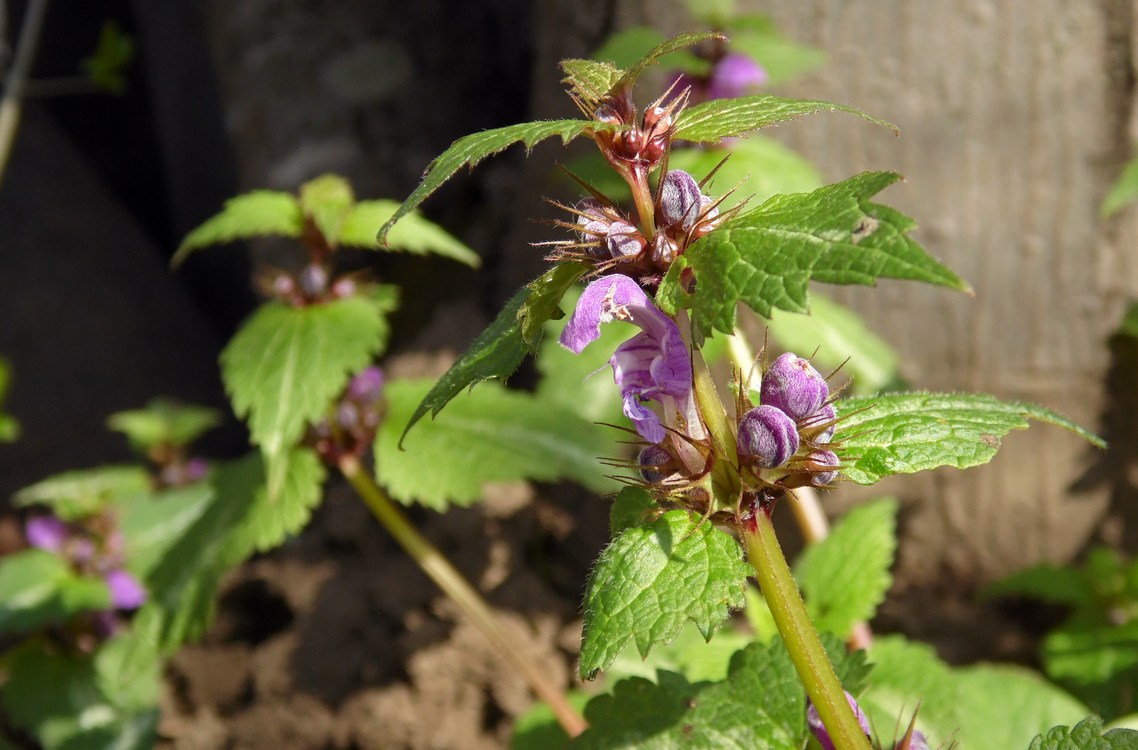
(126, 591)
(47, 533)
(734, 75)
(653, 365)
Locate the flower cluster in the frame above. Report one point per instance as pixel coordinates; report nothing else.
(352, 426)
(311, 285)
(784, 439)
(93, 547)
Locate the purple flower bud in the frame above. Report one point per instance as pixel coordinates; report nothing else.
(126, 591)
(820, 460)
(47, 533)
(313, 280)
(624, 240)
(680, 199)
(793, 385)
(196, 468)
(344, 287)
(767, 437)
(917, 741)
(366, 385)
(656, 464)
(823, 421)
(733, 76)
(814, 722)
(348, 415)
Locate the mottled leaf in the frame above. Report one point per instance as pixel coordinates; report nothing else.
(652, 579)
(903, 433)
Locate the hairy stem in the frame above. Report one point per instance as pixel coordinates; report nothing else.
(435, 565)
(17, 78)
(806, 651)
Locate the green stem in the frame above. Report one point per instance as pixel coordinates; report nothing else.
(798, 633)
(435, 565)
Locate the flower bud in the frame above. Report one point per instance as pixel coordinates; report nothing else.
(819, 426)
(818, 729)
(344, 287)
(313, 280)
(624, 240)
(656, 464)
(793, 385)
(917, 741)
(367, 384)
(767, 437)
(820, 460)
(680, 200)
(126, 591)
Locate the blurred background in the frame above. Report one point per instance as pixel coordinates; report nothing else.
(1016, 118)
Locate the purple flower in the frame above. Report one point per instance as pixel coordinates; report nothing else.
(652, 365)
(793, 385)
(366, 385)
(655, 463)
(126, 591)
(814, 722)
(734, 75)
(767, 437)
(47, 533)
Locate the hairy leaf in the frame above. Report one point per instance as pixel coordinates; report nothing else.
(286, 365)
(471, 149)
(75, 494)
(1086, 735)
(842, 339)
(845, 576)
(255, 214)
(414, 234)
(164, 422)
(667, 47)
(652, 579)
(327, 200)
(903, 433)
(489, 435)
(715, 120)
(544, 300)
(590, 80)
(496, 353)
(766, 257)
(632, 506)
(38, 588)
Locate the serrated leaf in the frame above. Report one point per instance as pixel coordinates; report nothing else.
(590, 80)
(286, 365)
(903, 433)
(1123, 192)
(65, 702)
(766, 257)
(627, 46)
(38, 588)
(164, 422)
(256, 214)
(327, 201)
(652, 579)
(661, 50)
(471, 149)
(544, 300)
(413, 234)
(761, 705)
(1086, 735)
(274, 518)
(496, 353)
(845, 576)
(75, 494)
(717, 119)
(489, 435)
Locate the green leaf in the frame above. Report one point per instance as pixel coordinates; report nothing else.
(715, 120)
(766, 257)
(1002, 706)
(489, 435)
(471, 149)
(1086, 735)
(690, 654)
(287, 365)
(756, 37)
(903, 433)
(632, 506)
(713, 13)
(544, 299)
(590, 80)
(537, 728)
(38, 588)
(496, 353)
(1050, 583)
(760, 704)
(1129, 325)
(757, 168)
(652, 579)
(845, 576)
(152, 523)
(256, 214)
(662, 50)
(1122, 192)
(627, 46)
(164, 422)
(1097, 662)
(273, 518)
(9, 427)
(327, 200)
(842, 339)
(75, 494)
(73, 702)
(106, 67)
(414, 234)
(906, 675)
